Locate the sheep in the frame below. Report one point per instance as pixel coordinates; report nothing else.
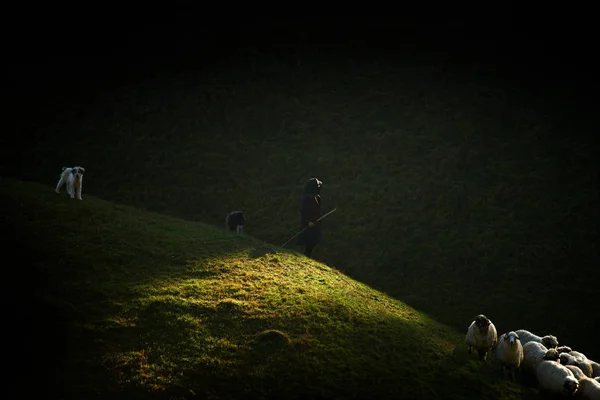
(533, 354)
(563, 349)
(549, 341)
(556, 378)
(578, 359)
(578, 354)
(589, 388)
(595, 369)
(481, 335)
(577, 372)
(509, 352)
(583, 358)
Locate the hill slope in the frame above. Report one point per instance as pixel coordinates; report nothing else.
(130, 304)
(451, 183)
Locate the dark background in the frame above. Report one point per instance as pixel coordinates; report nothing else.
(52, 55)
(56, 56)
(552, 46)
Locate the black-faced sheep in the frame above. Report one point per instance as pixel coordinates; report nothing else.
(589, 388)
(509, 352)
(533, 354)
(579, 360)
(481, 335)
(556, 378)
(549, 341)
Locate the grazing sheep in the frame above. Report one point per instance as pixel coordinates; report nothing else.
(578, 354)
(509, 352)
(577, 372)
(556, 378)
(595, 369)
(549, 341)
(589, 388)
(564, 349)
(579, 360)
(586, 360)
(481, 335)
(534, 353)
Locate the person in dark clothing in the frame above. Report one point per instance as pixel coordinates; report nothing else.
(310, 212)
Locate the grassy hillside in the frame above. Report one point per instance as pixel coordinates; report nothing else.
(131, 304)
(452, 184)
(460, 189)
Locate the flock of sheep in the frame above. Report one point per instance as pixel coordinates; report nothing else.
(557, 370)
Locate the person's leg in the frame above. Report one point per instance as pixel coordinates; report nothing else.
(308, 250)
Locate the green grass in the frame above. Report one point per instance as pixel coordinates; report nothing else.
(456, 195)
(152, 305)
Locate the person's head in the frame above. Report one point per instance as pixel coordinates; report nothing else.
(313, 186)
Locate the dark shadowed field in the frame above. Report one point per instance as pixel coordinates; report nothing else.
(463, 168)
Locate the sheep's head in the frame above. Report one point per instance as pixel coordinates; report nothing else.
(551, 354)
(570, 386)
(565, 358)
(550, 341)
(512, 338)
(482, 322)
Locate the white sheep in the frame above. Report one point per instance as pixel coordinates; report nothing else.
(577, 372)
(509, 352)
(549, 341)
(589, 388)
(556, 378)
(563, 349)
(481, 335)
(533, 354)
(578, 359)
(578, 354)
(595, 368)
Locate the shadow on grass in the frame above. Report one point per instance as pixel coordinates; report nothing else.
(464, 367)
(71, 269)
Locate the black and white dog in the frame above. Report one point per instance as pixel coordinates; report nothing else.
(73, 178)
(234, 221)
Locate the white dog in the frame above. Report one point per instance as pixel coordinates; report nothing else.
(73, 177)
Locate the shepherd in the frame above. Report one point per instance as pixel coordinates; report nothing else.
(310, 213)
